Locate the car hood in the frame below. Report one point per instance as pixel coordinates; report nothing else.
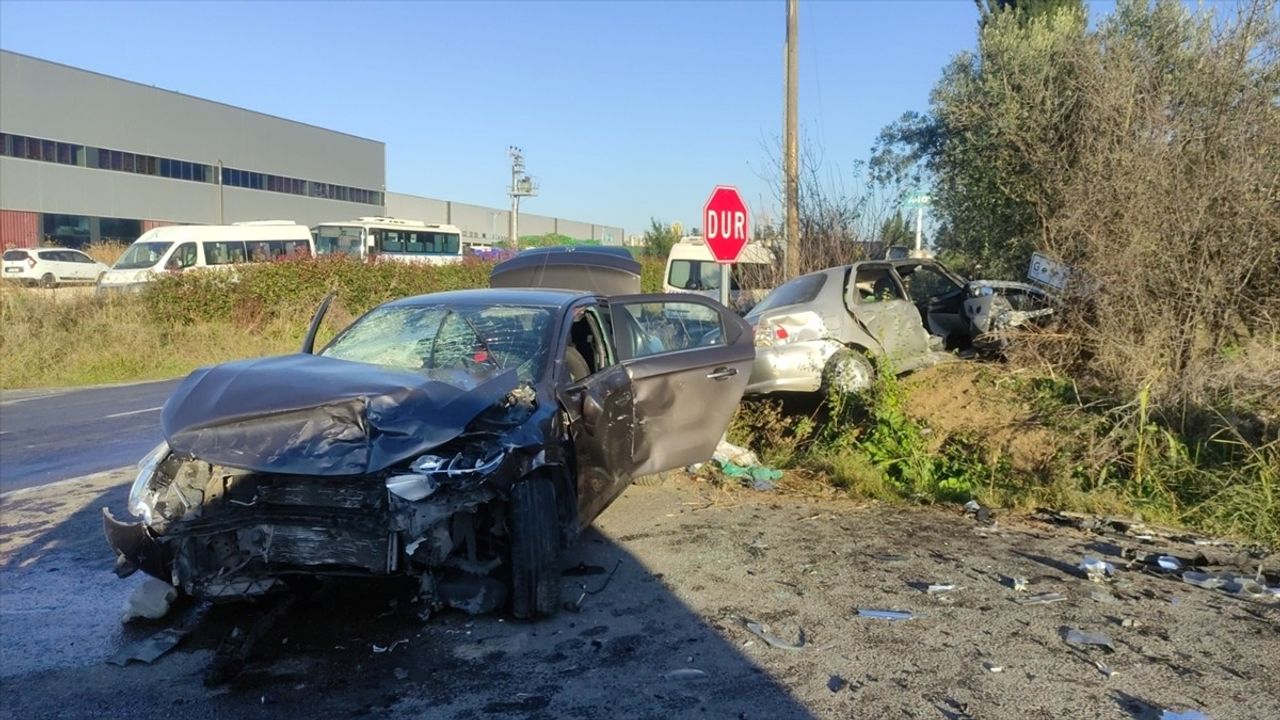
(311, 415)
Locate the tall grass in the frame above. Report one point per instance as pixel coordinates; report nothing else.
(1113, 458)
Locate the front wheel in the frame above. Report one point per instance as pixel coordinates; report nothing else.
(847, 372)
(535, 547)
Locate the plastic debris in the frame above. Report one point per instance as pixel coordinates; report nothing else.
(150, 600)
(391, 647)
(1041, 599)
(1103, 668)
(836, 683)
(727, 452)
(1095, 569)
(1208, 581)
(886, 614)
(1183, 715)
(992, 667)
(401, 674)
(1019, 584)
(762, 631)
(939, 588)
(1169, 563)
(757, 477)
(1080, 637)
(685, 674)
(151, 648)
(1130, 622)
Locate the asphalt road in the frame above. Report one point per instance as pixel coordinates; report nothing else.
(51, 435)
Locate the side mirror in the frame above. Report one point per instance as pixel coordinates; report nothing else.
(309, 342)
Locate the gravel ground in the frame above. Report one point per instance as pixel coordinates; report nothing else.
(666, 637)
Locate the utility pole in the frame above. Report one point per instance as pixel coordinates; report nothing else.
(790, 163)
(521, 186)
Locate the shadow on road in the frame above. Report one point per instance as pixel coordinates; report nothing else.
(633, 650)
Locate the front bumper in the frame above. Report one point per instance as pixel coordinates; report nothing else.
(790, 367)
(136, 549)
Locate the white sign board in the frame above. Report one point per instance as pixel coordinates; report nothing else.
(1048, 272)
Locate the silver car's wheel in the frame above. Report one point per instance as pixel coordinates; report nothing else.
(848, 372)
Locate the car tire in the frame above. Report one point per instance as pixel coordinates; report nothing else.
(535, 547)
(847, 372)
(48, 281)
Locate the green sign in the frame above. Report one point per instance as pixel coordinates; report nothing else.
(916, 200)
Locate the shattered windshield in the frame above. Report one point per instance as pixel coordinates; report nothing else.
(473, 341)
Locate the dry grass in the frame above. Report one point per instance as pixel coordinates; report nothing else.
(106, 253)
(85, 339)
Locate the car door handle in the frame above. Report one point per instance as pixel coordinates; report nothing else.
(722, 373)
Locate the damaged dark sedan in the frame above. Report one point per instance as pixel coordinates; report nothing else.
(457, 440)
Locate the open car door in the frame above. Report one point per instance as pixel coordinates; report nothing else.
(689, 359)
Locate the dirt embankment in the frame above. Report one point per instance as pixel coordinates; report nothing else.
(964, 399)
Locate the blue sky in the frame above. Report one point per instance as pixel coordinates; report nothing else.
(625, 110)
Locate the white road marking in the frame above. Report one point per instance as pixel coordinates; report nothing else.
(45, 396)
(133, 412)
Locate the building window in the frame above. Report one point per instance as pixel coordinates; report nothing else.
(28, 148)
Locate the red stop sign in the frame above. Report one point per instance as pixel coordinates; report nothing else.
(725, 223)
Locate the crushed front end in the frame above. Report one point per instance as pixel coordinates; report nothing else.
(220, 532)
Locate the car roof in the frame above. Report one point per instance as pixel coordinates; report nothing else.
(495, 296)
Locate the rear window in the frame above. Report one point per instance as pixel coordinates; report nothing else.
(15, 254)
(801, 290)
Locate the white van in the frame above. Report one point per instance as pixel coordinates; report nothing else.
(179, 248)
(692, 269)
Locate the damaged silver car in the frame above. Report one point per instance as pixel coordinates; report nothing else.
(458, 440)
(816, 332)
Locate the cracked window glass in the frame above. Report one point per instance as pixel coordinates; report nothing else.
(663, 327)
(450, 342)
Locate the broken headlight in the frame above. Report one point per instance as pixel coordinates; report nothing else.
(141, 499)
(430, 472)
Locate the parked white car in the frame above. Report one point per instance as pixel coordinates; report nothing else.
(50, 267)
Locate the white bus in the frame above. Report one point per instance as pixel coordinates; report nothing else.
(180, 248)
(391, 238)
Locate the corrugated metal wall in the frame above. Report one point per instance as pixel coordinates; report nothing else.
(153, 224)
(18, 229)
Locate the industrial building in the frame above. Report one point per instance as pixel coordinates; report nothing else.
(85, 157)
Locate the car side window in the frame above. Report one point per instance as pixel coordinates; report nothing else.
(587, 349)
(924, 283)
(78, 257)
(183, 257)
(223, 253)
(655, 328)
(875, 285)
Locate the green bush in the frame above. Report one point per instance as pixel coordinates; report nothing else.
(296, 285)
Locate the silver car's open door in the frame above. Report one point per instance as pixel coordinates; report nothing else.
(689, 359)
